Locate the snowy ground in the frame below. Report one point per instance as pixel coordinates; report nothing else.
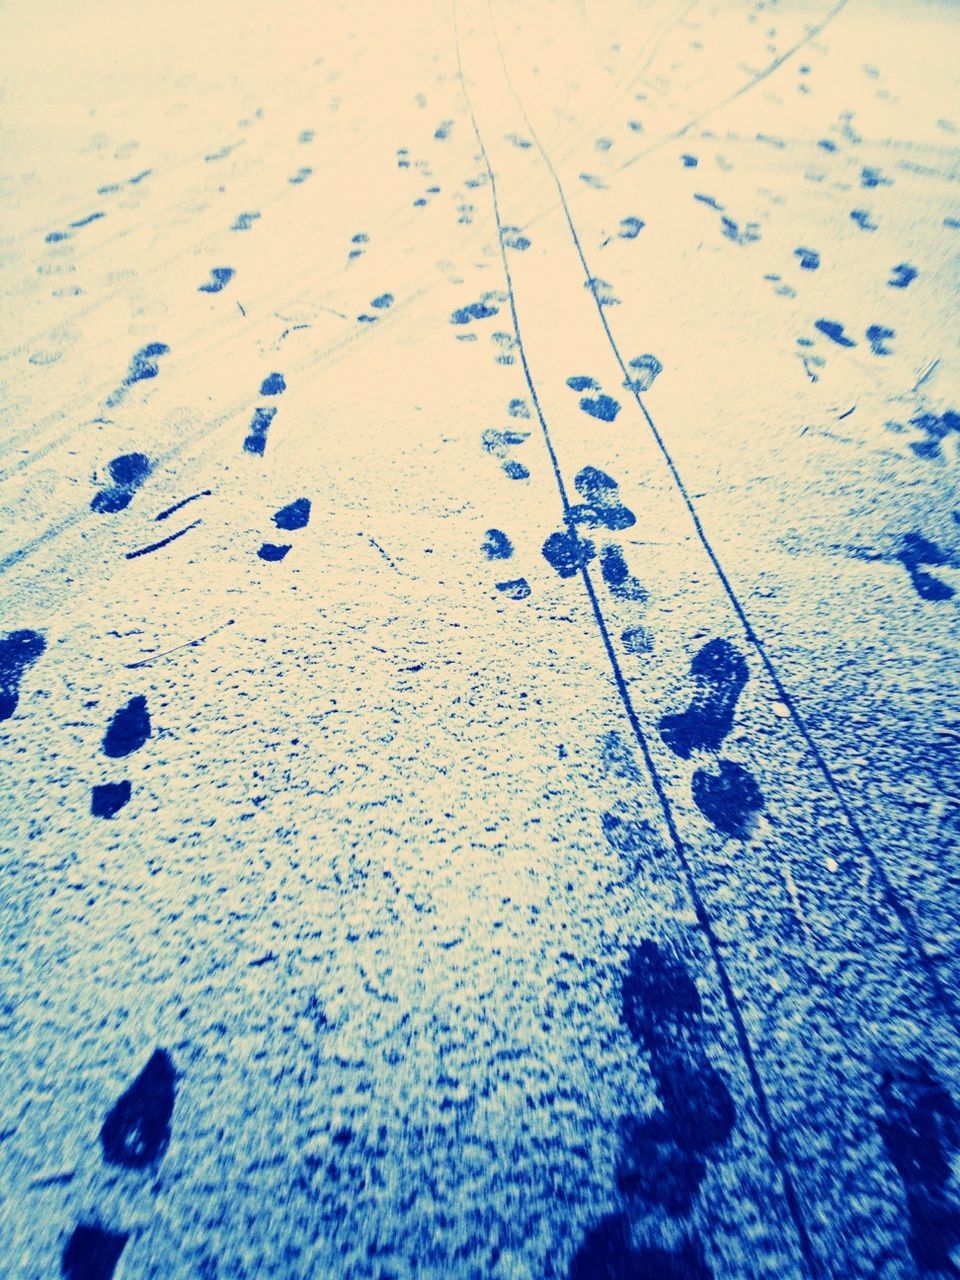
(480, 555)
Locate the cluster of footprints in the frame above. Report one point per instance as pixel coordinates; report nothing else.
(135, 1135)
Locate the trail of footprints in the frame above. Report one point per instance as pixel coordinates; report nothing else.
(134, 1136)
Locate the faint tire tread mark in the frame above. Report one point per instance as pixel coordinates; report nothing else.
(895, 902)
(704, 923)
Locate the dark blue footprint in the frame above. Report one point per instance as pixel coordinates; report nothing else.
(143, 366)
(720, 673)
(136, 1131)
(916, 552)
(220, 277)
(128, 472)
(729, 799)
(601, 504)
(608, 1254)
(18, 650)
(295, 515)
(128, 730)
(92, 1253)
(921, 1132)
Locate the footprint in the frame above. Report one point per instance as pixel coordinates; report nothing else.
(602, 406)
(646, 369)
(601, 505)
(607, 1254)
(300, 176)
(651, 1166)
(877, 336)
(835, 332)
(567, 552)
(809, 259)
(720, 673)
(245, 221)
(142, 367)
(936, 428)
(108, 798)
(862, 218)
(92, 1253)
(748, 234)
(381, 303)
(902, 275)
(136, 1131)
(295, 515)
(497, 546)
(620, 581)
(602, 290)
(18, 650)
(128, 472)
(514, 239)
(474, 311)
(273, 385)
(220, 277)
(516, 589)
(498, 442)
(729, 799)
(361, 238)
(921, 1132)
(256, 441)
(917, 551)
(128, 730)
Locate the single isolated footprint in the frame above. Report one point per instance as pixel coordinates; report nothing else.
(515, 589)
(295, 515)
(663, 1013)
(143, 366)
(498, 442)
(936, 427)
(601, 501)
(902, 275)
(567, 552)
(128, 472)
(618, 578)
(245, 221)
(256, 441)
(729, 799)
(921, 1132)
(136, 1131)
(917, 551)
(720, 672)
(877, 336)
(646, 369)
(108, 798)
(92, 1253)
(220, 277)
(809, 259)
(274, 384)
(608, 1254)
(496, 545)
(18, 650)
(834, 331)
(601, 406)
(128, 730)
